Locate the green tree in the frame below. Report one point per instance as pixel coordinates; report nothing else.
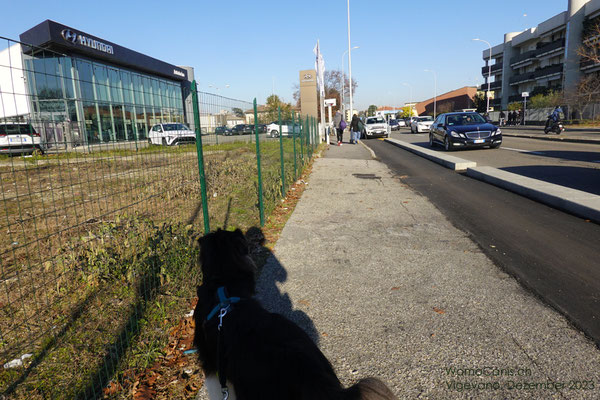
(404, 113)
(272, 110)
(480, 102)
(552, 99)
(515, 105)
(372, 109)
(238, 112)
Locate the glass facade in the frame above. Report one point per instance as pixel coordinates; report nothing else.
(105, 103)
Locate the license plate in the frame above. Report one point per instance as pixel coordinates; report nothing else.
(18, 140)
(478, 141)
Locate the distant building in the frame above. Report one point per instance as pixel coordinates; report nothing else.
(455, 100)
(78, 88)
(542, 58)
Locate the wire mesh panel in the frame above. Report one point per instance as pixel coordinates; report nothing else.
(96, 215)
(100, 203)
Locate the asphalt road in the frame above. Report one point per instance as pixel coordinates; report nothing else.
(574, 165)
(552, 253)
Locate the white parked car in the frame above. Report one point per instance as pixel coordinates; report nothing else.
(286, 128)
(376, 126)
(20, 138)
(421, 124)
(171, 134)
(401, 122)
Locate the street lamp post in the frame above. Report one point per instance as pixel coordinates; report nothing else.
(489, 77)
(343, 83)
(410, 106)
(434, 92)
(349, 59)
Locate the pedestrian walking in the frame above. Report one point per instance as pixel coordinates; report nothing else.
(354, 129)
(511, 118)
(520, 117)
(502, 121)
(340, 125)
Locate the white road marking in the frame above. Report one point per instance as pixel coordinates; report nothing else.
(522, 151)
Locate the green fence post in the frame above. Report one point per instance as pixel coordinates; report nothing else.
(294, 139)
(260, 191)
(314, 137)
(281, 154)
(302, 131)
(200, 157)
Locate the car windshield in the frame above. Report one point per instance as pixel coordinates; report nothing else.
(16, 129)
(465, 119)
(175, 127)
(424, 119)
(377, 120)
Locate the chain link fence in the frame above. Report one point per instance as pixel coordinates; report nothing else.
(104, 190)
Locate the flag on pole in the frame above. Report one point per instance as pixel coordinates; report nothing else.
(320, 68)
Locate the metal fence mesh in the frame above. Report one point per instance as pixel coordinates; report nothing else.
(97, 233)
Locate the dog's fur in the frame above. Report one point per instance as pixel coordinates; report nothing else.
(266, 355)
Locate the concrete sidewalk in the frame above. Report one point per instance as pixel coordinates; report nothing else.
(389, 288)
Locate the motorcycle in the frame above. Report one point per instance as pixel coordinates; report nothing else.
(555, 127)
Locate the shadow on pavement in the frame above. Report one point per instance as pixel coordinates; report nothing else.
(267, 291)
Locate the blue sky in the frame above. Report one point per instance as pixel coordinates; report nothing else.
(249, 45)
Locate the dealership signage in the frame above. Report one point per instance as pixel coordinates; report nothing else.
(77, 38)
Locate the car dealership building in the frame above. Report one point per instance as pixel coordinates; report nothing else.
(89, 90)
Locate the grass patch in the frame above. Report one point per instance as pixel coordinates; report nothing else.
(98, 260)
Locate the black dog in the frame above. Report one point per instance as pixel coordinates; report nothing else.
(257, 354)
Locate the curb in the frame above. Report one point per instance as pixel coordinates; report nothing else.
(454, 163)
(577, 202)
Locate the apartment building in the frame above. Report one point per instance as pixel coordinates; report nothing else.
(542, 58)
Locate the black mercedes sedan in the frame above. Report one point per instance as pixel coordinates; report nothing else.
(462, 130)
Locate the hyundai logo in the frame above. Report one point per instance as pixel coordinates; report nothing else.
(69, 35)
(307, 76)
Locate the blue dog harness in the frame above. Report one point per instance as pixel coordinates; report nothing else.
(222, 309)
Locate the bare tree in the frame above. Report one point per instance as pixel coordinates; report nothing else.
(587, 90)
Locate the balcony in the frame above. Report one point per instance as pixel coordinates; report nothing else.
(514, 98)
(587, 64)
(495, 102)
(523, 57)
(495, 67)
(548, 71)
(550, 47)
(527, 76)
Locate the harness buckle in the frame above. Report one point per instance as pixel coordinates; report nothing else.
(222, 313)
(225, 393)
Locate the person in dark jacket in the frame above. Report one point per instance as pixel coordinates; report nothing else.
(354, 129)
(337, 120)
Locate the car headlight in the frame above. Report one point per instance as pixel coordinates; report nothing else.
(497, 132)
(454, 134)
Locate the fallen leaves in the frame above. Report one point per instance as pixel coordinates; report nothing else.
(175, 375)
(439, 310)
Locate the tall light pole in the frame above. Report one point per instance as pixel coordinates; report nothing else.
(410, 107)
(343, 79)
(489, 77)
(434, 91)
(349, 59)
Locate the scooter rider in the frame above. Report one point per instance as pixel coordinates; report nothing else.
(553, 118)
